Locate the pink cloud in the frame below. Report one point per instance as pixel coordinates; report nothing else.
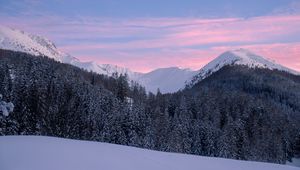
(286, 54)
(195, 32)
(167, 42)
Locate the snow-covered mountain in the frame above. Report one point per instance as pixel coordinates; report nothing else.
(237, 57)
(16, 40)
(49, 153)
(106, 69)
(167, 79)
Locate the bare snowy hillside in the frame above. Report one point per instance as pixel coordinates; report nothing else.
(168, 80)
(49, 153)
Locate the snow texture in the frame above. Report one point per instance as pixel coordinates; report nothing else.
(49, 153)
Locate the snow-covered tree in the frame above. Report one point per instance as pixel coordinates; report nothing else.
(5, 107)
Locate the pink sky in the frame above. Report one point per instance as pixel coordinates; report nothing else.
(144, 44)
(268, 36)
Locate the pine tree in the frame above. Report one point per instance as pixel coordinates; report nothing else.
(122, 87)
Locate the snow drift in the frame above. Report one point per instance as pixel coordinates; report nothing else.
(49, 153)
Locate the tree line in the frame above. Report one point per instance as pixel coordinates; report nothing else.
(238, 112)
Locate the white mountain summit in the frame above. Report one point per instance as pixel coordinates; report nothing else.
(237, 57)
(16, 40)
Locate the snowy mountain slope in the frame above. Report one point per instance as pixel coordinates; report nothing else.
(106, 69)
(168, 80)
(48, 153)
(16, 40)
(237, 57)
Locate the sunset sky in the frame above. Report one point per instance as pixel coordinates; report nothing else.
(148, 34)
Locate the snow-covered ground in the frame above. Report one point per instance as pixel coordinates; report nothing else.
(49, 153)
(295, 162)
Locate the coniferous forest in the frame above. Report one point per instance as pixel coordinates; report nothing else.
(237, 112)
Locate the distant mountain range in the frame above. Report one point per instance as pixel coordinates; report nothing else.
(168, 80)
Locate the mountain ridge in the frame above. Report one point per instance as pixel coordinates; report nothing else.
(167, 80)
(17, 40)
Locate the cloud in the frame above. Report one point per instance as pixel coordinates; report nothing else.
(147, 43)
(196, 32)
(284, 53)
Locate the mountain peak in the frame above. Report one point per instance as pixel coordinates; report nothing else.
(244, 54)
(17, 40)
(243, 57)
(237, 57)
